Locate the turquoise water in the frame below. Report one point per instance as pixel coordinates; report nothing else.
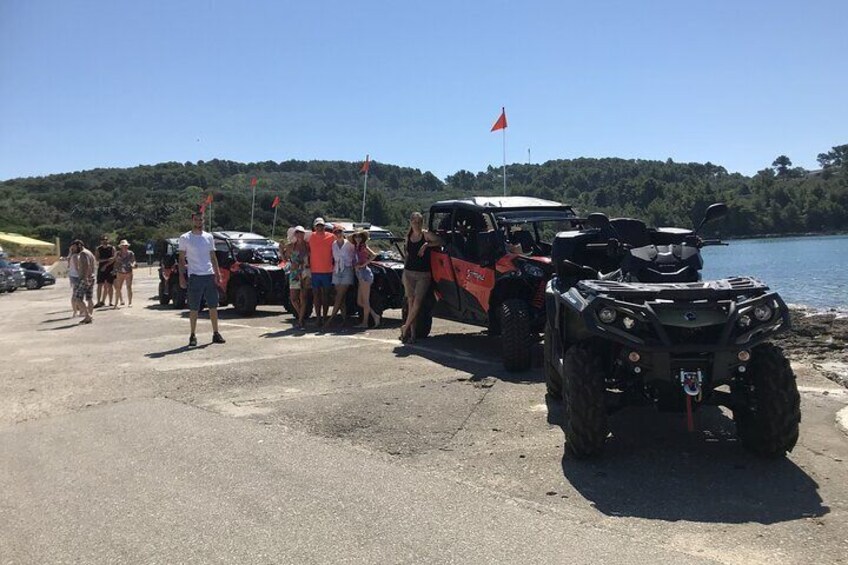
(808, 271)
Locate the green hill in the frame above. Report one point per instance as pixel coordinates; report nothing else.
(149, 202)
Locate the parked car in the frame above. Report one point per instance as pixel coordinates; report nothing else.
(14, 272)
(493, 267)
(36, 275)
(6, 283)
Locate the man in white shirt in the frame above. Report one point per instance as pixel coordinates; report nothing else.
(197, 247)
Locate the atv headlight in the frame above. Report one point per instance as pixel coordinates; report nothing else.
(628, 322)
(532, 270)
(607, 315)
(763, 312)
(744, 321)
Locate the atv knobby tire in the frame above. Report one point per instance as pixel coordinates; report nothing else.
(552, 379)
(424, 321)
(768, 425)
(245, 300)
(178, 296)
(583, 394)
(164, 298)
(516, 338)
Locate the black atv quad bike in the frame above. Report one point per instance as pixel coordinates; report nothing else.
(651, 332)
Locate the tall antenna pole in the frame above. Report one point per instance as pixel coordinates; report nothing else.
(253, 202)
(528, 155)
(504, 159)
(366, 166)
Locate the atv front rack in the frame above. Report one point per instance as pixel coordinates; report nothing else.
(721, 289)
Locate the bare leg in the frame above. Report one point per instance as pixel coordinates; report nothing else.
(119, 283)
(101, 293)
(192, 318)
(213, 316)
(326, 300)
(411, 315)
(129, 279)
(317, 298)
(304, 302)
(363, 299)
(341, 291)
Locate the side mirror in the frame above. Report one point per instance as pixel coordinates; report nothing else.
(597, 221)
(714, 212)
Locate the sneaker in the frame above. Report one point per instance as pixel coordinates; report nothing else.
(218, 338)
(192, 341)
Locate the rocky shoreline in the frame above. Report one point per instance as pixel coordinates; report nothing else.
(820, 340)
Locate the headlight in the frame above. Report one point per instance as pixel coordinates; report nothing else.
(607, 315)
(763, 312)
(744, 321)
(532, 270)
(629, 323)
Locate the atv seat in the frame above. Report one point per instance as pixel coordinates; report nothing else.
(631, 231)
(524, 239)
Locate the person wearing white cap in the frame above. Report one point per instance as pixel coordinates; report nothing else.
(321, 263)
(297, 253)
(124, 265)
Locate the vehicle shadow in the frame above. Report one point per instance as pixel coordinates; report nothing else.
(175, 351)
(476, 354)
(652, 468)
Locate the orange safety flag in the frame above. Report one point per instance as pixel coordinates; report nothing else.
(253, 182)
(366, 166)
(501, 123)
(208, 200)
(276, 202)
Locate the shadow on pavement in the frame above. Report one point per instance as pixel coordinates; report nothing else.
(65, 327)
(231, 314)
(175, 351)
(62, 319)
(652, 468)
(476, 354)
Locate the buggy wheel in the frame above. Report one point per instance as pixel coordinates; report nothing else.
(245, 300)
(583, 394)
(553, 381)
(32, 284)
(178, 296)
(424, 322)
(516, 338)
(164, 299)
(768, 423)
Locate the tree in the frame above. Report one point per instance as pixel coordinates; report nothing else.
(782, 164)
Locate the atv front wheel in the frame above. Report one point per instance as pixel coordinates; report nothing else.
(516, 338)
(245, 302)
(164, 299)
(768, 424)
(178, 296)
(583, 394)
(552, 379)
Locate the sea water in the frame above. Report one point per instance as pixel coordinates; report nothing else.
(806, 271)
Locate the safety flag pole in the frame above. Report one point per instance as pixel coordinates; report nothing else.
(501, 125)
(365, 168)
(207, 204)
(253, 202)
(274, 205)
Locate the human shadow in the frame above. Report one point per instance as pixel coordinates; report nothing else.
(477, 354)
(175, 351)
(230, 314)
(652, 468)
(65, 327)
(51, 320)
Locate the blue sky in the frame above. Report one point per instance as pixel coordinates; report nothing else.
(120, 83)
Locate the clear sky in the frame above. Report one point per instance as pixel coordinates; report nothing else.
(87, 84)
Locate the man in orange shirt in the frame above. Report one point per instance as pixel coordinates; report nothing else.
(321, 263)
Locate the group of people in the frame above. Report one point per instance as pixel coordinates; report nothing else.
(107, 267)
(320, 261)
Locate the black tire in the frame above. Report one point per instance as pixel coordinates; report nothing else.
(32, 284)
(553, 381)
(424, 322)
(13, 289)
(164, 299)
(583, 396)
(178, 296)
(768, 425)
(377, 301)
(245, 300)
(516, 337)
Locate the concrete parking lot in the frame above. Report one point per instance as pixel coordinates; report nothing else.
(120, 445)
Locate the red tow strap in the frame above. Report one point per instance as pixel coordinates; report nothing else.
(690, 421)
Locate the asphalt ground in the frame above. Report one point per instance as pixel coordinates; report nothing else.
(118, 444)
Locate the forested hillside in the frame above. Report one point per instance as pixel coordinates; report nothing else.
(149, 202)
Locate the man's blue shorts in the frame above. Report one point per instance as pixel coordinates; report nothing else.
(200, 287)
(322, 280)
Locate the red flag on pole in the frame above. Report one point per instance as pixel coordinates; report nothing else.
(501, 123)
(276, 202)
(253, 182)
(209, 200)
(366, 166)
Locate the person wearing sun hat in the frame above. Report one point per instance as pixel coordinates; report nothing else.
(297, 254)
(124, 265)
(363, 255)
(343, 261)
(321, 264)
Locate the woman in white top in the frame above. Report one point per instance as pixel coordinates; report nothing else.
(343, 261)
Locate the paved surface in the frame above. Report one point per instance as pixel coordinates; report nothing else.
(119, 445)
